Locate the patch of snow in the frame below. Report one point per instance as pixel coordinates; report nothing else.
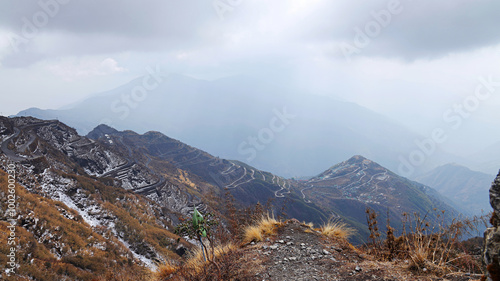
(84, 213)
(147, 262)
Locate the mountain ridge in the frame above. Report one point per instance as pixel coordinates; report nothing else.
(208, 115)
(177, 177)
(242, 180)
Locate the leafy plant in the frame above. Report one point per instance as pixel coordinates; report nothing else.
(197, 228)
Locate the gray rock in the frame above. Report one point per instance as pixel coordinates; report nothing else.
(492, 246)
(495, 195)
(492, 235)
(325, 252)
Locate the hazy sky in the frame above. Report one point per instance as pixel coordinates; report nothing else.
(411, 60)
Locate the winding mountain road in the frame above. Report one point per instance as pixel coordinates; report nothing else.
(14, 156)
(9, 153)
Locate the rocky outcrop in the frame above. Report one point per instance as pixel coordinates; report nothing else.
(492, 234)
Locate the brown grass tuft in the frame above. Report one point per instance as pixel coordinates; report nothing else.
(309, 224)
(336, 229)
(266, 226)
(165, 271)
(252, 233)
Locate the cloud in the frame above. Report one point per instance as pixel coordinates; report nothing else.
(423, 29)
(71, 69)
(419, 30)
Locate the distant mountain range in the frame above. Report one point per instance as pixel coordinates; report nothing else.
(486, 160)
(270, 126)
(175, 177)
(467, 188)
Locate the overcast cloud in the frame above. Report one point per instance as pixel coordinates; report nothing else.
(422, 56)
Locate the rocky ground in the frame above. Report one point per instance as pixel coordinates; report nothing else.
(299, 253)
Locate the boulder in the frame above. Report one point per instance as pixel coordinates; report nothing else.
(492, 234)
(495, 197)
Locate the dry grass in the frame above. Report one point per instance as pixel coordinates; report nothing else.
(166, 271)
(309, 224)
(429, 243)
(227, 262)
(418, 257)
(266, 226)
(72, 239)
(252, 233)
(126, 274)
(336, 229)
(196, 261)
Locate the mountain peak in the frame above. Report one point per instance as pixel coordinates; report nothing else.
(363, 183)
(454, 166)
(358, 158)
(100, 131)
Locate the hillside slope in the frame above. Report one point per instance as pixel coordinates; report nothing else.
(76, 209)
(466, 187)
(87, 229)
